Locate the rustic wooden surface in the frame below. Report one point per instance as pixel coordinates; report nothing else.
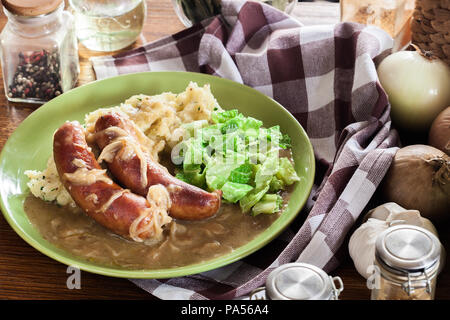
(27, 274)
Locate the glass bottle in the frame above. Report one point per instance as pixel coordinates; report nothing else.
(108, 25)
(193, 11)
(407, 260)
(39, 52)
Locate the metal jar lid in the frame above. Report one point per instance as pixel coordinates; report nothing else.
(301, 281)
(408, 248)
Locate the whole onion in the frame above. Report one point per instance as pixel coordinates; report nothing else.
(418, 87)
(419, 178)
(439, 136)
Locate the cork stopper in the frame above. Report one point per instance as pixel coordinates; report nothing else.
(31, 7)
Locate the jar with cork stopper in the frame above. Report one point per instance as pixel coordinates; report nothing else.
(39, 51)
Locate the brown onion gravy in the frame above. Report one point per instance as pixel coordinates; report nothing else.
(183, 243)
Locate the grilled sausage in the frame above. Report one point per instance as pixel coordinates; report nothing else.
(133, 167)
(118, 209)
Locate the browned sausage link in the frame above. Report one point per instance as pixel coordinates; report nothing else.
(70, 150)
(188, 202)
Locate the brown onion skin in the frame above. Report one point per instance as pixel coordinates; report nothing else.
(439, 136)
(412, 182)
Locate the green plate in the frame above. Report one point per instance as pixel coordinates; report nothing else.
(30, 146)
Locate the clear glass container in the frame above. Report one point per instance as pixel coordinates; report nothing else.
(39, 55)
(407, 260)
(193, 11)
(299, 281)
(393, 285)
(108, 25)
(393, 16)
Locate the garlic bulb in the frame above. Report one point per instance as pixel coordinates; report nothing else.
(362, 245)
(362, 242)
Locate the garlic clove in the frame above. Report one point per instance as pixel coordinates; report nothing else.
(383, 211)
(361, 246)
(411, 217)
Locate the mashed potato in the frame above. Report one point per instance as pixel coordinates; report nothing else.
(47, 185)
(160, 118)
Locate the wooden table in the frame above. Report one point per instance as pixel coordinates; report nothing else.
(25, 273)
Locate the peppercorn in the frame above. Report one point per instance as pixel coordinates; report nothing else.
(37, 76)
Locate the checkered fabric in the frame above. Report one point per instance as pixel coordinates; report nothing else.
(326, 77)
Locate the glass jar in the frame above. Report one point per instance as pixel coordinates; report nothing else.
(39, 53)
(393, 16)
(299, 281)
(407, 262)
(108, 25)
(192, 11)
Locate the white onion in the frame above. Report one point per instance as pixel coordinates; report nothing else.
(418, 88)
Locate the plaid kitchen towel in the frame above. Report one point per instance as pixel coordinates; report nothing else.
(326, 77)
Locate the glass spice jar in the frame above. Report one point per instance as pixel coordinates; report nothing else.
(407, 263)
(299, 281)
(39, 52)
(393, 16)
